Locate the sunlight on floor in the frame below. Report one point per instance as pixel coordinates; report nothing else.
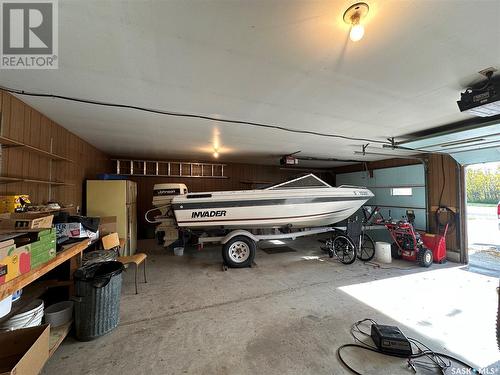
(455, 308)
(312, 257)
(276, 242)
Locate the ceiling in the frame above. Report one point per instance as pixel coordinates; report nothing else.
(288, 63)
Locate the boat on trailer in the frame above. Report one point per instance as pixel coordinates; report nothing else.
(304, 202)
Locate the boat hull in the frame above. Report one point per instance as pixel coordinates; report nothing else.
(276, 210)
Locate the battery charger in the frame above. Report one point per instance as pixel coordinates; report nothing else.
(390, 339)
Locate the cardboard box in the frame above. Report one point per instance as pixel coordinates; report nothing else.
(9, 203)
(24, 351)
(40, 252)
(47, 234)
(26, 221)
(43, 250)
(107, 225)
(75, 230)
(16, 260)
(9, 260)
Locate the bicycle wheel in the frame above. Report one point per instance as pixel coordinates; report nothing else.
(344, 249)
(367, 250)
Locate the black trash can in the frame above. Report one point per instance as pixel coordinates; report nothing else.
(97, 302)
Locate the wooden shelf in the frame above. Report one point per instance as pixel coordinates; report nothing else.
(11, 180)
(57, 336)
(31, 292)
(13, 143)
(23, 280)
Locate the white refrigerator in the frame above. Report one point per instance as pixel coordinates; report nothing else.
(116, 198)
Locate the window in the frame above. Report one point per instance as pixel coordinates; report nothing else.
(401, 191)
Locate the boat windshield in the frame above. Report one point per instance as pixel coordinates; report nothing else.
(308, 181)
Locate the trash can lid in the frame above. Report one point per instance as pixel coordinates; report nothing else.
(98, 270)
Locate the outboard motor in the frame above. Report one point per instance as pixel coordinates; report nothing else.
(166, 231)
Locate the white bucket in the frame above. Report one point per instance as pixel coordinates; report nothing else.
(383, 252)
(29, 316)
(179, 251)
(5, 305)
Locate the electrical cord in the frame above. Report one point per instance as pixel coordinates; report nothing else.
(189, 115)
(377, 265)
(451, 220)
(435, 360)
(386, 143)
(444, 181)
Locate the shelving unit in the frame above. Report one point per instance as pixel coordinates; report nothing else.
(34, 289)
(23, 280)
(7, 142)
(31, 292)
(57, 336)
(11, 180)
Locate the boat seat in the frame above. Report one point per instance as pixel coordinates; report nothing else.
(111, 242)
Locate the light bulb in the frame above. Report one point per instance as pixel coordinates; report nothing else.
(216, 154)
(357, 32)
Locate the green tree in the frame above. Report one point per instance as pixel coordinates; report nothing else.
(483, 186)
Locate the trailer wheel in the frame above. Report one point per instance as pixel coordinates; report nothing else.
(424, 257)
(395, 251)
(239, 252)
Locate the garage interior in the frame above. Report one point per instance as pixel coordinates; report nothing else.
(242, 97)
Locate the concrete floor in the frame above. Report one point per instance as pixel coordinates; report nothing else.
(287, 315)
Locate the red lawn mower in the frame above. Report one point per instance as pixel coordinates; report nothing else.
(410, 245)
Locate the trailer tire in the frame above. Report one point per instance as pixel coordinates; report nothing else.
(239, 252)
(424, 257)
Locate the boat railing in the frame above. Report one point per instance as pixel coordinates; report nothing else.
(352, 186)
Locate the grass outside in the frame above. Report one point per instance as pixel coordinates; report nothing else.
(482, 204)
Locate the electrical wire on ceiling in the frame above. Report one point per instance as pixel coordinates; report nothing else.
(190, 115)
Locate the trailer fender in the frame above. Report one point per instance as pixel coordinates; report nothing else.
(238, 232)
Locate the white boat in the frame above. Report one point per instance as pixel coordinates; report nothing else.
(304, 202)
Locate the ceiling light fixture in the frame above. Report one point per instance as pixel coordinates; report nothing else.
(353, 16)
(216, 153)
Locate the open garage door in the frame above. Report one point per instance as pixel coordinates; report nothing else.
(469, 145)
(477, 149)
(483, 220)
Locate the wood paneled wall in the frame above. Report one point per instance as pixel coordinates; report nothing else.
(22, 123)
(443, 175)
(239, 177)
